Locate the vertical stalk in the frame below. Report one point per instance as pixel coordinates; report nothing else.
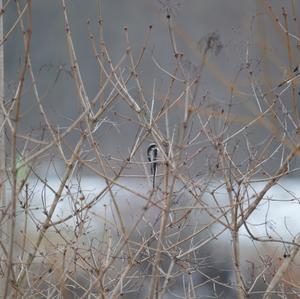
(14, 192)
(154, 284)
(2, 141)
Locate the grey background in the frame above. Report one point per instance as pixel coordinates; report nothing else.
(237, 24)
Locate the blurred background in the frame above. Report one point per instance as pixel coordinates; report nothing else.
(230, 22)
(238, 29)
(222, 42)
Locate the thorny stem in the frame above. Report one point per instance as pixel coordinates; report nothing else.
(47, 223)
(183, 210)
(14, 194)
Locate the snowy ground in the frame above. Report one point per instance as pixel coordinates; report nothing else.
(277, 215)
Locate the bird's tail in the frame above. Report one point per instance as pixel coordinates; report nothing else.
(154, 173)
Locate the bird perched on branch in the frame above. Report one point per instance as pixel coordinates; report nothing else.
(152, 154)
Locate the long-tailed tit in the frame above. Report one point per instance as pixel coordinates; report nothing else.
(152, 154)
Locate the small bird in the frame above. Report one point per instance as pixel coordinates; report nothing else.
(152, 153)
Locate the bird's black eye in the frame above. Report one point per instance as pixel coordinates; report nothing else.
(152, 152)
